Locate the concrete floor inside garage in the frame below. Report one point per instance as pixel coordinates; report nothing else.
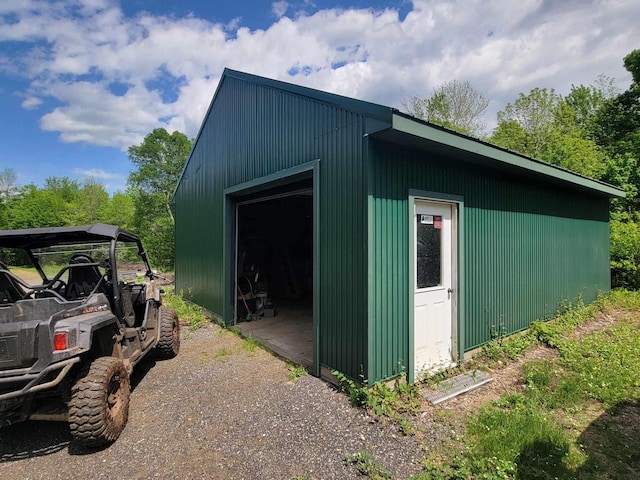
(289, 333)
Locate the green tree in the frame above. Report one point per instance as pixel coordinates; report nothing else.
(625, 253)
(535, 114)
(119, 210)
(83, 202)
(93, 199)
(159, 159)
(586, 101)
(65, 188)
(509, 134)
(8, 189)
(618, 121)
(617, 129)
(35, 208)
(8, 186)
(548, 127)
(576, 153)
(456, 105)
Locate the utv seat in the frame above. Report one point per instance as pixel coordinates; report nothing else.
(84, 277)
(10, 290)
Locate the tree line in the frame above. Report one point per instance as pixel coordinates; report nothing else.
(145, 207)
(594, 131)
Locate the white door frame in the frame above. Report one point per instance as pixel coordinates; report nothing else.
(457, 272)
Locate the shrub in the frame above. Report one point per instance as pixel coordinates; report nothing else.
(625, 254)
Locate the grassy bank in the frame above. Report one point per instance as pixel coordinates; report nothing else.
(576, 414)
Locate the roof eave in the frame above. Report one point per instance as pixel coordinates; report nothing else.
(501, 157)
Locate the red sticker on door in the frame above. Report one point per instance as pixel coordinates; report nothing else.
(437, 221)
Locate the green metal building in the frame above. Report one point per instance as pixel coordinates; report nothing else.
(411, 244)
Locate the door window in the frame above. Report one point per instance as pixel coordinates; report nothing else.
(428, 250)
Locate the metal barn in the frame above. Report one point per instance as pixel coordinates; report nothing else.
(359, 239)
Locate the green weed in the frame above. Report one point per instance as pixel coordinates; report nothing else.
(382, 399)
(296, 371)
(357, 394)
(188, 312)
(505, 349)
(366, 465)
(250, 344)
(406, 426)
(461, 466)
(223, 352)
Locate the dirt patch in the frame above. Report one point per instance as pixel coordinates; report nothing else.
(606, 320)
(506, 379)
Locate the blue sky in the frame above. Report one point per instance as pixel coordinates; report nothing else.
(82, 80)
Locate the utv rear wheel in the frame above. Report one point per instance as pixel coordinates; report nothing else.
(99, 405)
(169, 343)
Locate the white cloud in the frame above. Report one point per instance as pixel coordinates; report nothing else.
(31, 103)
(279, 8)
(75, 51)
(97, 173)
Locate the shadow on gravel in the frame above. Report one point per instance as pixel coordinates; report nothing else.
(141, 369)
(36, 439)
(32, 439)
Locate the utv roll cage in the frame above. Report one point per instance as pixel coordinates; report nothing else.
(35, 238)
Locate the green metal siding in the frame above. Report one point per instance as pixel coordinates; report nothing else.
(251, 131)
(527, 246)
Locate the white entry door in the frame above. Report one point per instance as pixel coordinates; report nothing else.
(433, 286)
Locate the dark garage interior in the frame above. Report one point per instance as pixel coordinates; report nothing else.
(274, 265)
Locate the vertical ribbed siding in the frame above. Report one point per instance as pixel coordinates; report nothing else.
(343, 289)
(528, 247)
(253, 131)
(388, 271)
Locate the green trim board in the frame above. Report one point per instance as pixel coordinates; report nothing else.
(231, 196)
(504, 158)
(316, 268)
(283, 177)
(371, 260)
(458, 316)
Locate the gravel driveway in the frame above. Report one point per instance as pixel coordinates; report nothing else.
(217, 411)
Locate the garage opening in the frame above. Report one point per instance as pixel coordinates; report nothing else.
(274, 270)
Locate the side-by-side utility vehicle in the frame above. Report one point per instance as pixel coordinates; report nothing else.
(79, 308)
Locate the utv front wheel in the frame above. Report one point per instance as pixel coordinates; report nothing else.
(99, 405)
(169, 342)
